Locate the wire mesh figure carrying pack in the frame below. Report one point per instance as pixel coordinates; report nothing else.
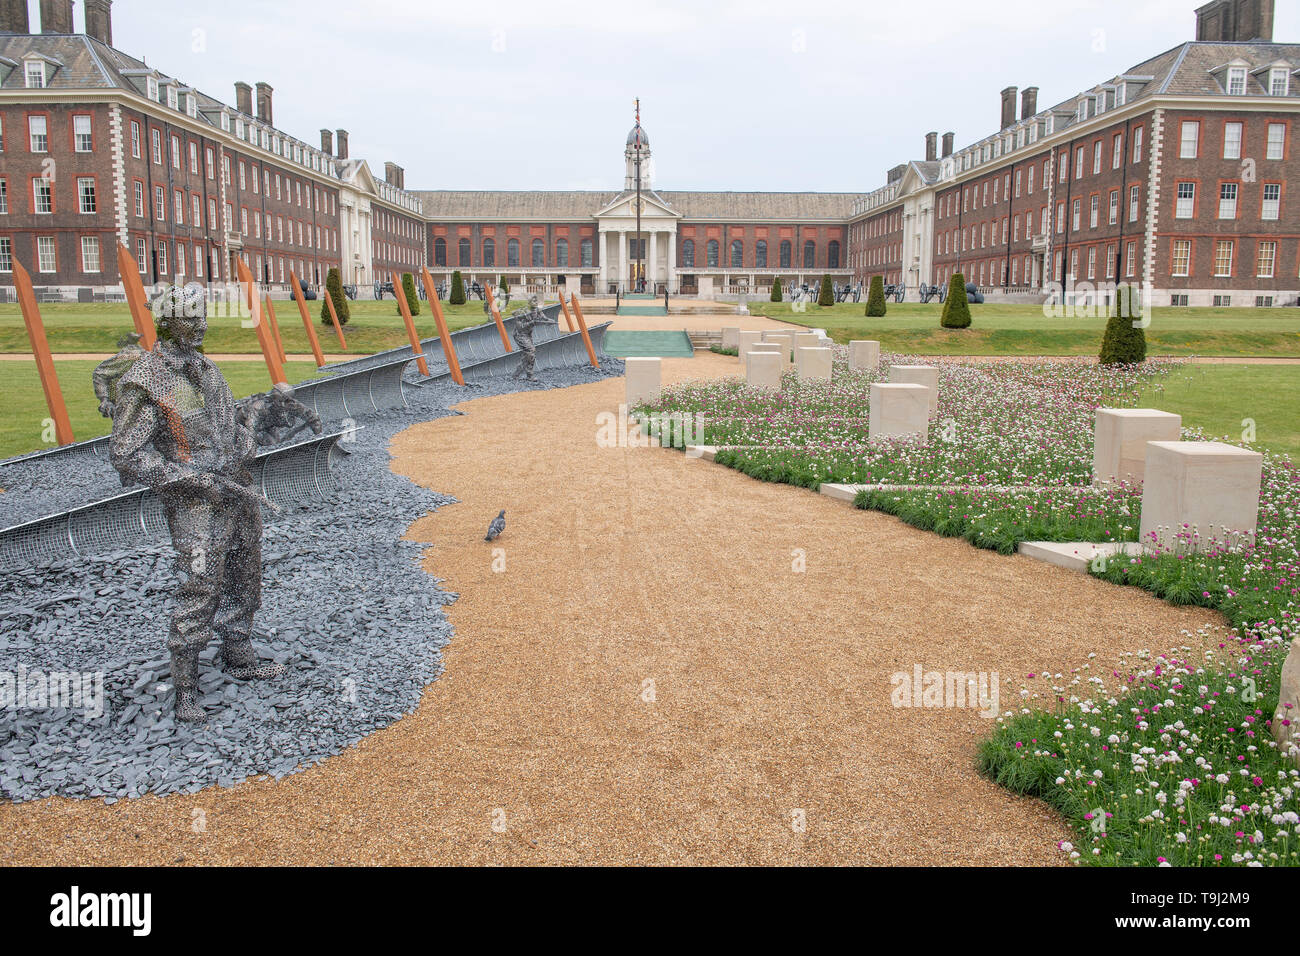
(177, 430)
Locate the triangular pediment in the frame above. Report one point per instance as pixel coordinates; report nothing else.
(623, 206)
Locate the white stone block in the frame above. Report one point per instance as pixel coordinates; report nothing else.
(744, 340)
(864, 354)
(785, 340)
(901, 408)
(644, 380)
(764, 370)
(1207, 486)
(730, 337)
(1120, 439)
(813, 363)
(927, 375)
(807, 340)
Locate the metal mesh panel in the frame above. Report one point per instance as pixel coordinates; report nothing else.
(385, 388)
(299, 472)
(96, 448)
(105, 525)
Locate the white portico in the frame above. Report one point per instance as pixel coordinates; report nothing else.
(626, 254)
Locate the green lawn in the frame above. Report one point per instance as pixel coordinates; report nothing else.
(1219, 398)
(374, 326)
(913, 328)
(24, 402)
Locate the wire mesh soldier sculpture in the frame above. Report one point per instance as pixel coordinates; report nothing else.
(175, 429)
(525, 319)
(104, 379)
(276, 416)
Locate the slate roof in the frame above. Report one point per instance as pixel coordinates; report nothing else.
(582, 204)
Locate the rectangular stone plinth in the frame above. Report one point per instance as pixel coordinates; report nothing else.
(927, 375)
(807, 340)
(730, 337)
(813, 363)
(644, 380)
(864, 355)
(785, 340)
(744, 340)
(900, 408)
(764, 370)
(1120, 439)
(1204, 488)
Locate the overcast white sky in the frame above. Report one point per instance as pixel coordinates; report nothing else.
(762, 94)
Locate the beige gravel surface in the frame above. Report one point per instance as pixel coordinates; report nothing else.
(648, 681)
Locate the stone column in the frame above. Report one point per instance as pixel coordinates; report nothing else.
(602, 252)
(622, 257)
(654, 263)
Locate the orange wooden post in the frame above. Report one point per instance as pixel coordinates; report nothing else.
(306, 319)
(269, 350)
(410, 324)
(275, 329)
(129, 270)
(41, 349)
(586, 337)
(501, 327)
(567, 318)
(448, 349)
(334, 317)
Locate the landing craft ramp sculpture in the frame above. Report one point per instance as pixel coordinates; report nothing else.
(302, 471)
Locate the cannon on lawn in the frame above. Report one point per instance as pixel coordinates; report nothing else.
(350, 291)
(928, 292)
(384, 287)
(897, 290)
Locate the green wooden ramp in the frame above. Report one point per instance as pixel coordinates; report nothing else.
(673, 343)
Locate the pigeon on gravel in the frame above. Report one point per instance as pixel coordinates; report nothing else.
(497, 526)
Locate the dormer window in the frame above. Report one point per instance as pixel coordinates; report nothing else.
(34, 74)
(1236, 81)
(1101, 102)
(225, 121)
(151, 88)
(171, 97)
(239, 128)
(192, 105)
(1279, 81)
(1121, 94)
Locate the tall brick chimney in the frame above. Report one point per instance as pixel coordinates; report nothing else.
(947, 145)
(264, 103)
(327, 142)
(931, 146)
(1235, 21)
(1028, 102)
(1008, 107)
(56, 16)
(99, 20)
(341, 136)
(13, 17)
(390, 173)
(244, 97)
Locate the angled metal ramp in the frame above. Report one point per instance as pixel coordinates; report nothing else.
(302, 471)
(567, 350)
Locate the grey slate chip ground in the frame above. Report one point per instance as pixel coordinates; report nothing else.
(345, 604)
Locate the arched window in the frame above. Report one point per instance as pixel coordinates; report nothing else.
(688, 253)
(785, 253)
(539, 252)
(462, 250)
(711, 254)
(833, 254)
(809, 254)
(760, 254)
(512, 253)
(489, 252)
(737, 254)
(586, 253)
(440, 252)
(562, 252)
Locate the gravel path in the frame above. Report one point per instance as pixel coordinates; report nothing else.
(771, 690)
